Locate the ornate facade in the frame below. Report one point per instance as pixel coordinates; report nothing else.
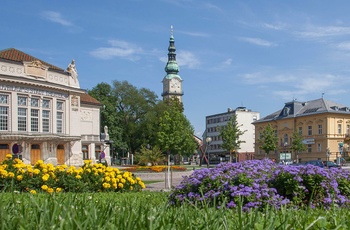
(44, 114)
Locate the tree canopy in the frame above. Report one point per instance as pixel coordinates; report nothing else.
(268, 140)
(230, 134)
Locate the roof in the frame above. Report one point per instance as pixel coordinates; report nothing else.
(298, 109)
(15, 55)
(87, 99)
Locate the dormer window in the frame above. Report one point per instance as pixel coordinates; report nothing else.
(336, 108)
(285, 111)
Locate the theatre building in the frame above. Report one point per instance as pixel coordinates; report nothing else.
(44, 115)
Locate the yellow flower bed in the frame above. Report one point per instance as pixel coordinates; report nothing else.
(17, 176)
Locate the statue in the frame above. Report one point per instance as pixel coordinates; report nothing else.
(72, 70)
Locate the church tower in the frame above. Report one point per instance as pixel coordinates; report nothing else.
(172, 82)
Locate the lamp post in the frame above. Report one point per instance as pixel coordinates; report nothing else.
(285, 154)
(207, 140)
(328, 153)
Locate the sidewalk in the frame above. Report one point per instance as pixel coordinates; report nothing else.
(175, 178)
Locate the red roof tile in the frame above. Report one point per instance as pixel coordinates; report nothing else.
(87, 99)
(19, 56)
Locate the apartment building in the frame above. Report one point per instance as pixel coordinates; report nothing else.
(324, 126)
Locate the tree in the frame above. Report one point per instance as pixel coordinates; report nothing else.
(124, 112)
(108, 114)
(175, 134)
(231, 136)
(297, 144)
(268, 139)
(132, 105)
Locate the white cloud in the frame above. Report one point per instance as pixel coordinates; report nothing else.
(194, 34)
(228, 62)
(278, 26)
(257, 41)
(313, 32)
(187, 58)
(343, 46)
(56, 17)
(118, 48)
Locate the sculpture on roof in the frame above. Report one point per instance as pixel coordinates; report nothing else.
(72, 70)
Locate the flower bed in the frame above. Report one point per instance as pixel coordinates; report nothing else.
(17, 176)
(257, 184)
(155, 168)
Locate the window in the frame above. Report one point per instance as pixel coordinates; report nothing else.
(85, 150)
(339, 128)
(4, 112)
(46, 120)
(319, 148)
(319, 129)
(309, 148)
(348, 129)
(309, 130)
(46, 104)
(34, 102)
(22, 113)
(22, 119)
(285, 139)
(34, 120)
(301, 130)
(97, 151)
(59, 116)
(22, 101)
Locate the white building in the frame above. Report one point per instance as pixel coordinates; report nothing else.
(44, 114)
(245, 117)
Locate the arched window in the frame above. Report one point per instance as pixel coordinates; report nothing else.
(285, 139)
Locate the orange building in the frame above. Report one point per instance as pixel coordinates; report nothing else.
(324, 126)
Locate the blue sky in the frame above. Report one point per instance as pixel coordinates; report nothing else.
(257, 54)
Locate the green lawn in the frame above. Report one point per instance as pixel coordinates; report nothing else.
(149, 210)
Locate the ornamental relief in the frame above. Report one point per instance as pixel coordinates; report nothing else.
(86, 115)
(11, 70)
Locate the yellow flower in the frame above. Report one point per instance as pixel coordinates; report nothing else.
(8, 156)
(36, 171)
(33, 192)
(44, 187)
(50, 190)
(120, 185)
(78, 177)
(11, 174)
(106, 185)
(19, 177)
(45, 177)
(58, 190)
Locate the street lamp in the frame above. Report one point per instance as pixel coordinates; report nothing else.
(328, 153)
(207, 140)
(285, 154)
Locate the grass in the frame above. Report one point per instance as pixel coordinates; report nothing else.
(149, 210)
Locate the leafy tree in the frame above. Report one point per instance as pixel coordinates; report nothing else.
(231, 136)
(124, 112)
(268, 139)
(175, 133)
(150, 155)
(103, 92)
(297, 144)
(132, 105)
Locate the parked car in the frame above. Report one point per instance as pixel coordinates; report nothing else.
(331, 164)
(315, 163)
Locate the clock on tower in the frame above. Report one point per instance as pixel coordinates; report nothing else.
(172, 82)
